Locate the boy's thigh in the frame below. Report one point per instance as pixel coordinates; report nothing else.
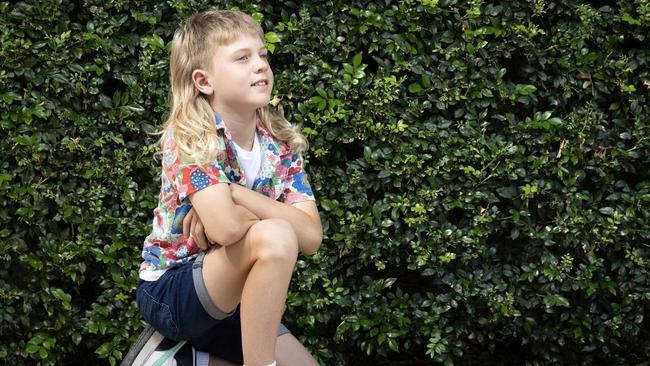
(172, 306)
(224, 273)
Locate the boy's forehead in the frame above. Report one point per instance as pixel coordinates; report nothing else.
(242, 41)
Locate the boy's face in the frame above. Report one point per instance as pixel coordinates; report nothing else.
(240, 75)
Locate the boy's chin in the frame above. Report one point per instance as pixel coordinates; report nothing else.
(250, 104)
(263, 103)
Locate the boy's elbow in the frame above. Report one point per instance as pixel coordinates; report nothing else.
(217, 236)
(230, 230)
(225, 236)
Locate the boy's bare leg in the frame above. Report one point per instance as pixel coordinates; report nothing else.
(255, 272)
(288, 352)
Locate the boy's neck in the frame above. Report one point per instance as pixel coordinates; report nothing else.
(241, 127)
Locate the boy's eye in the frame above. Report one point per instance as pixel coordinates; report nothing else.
(264, 55)
(243, 58)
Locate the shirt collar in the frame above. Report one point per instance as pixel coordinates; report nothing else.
(272, 149)
(221, 125)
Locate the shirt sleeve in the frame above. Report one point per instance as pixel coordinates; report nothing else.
(297, 188)
(187, 178)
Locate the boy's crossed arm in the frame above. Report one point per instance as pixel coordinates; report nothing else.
(302, 216)
(215, 213)
(226, 211)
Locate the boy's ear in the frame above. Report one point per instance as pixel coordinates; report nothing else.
(202, 82)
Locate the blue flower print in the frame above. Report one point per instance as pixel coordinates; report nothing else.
(301, 183)
(199, 180)
(152, 255)
(179, 215)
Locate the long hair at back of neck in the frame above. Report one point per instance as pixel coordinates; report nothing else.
(191, 120)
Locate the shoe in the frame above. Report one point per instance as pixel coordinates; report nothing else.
(153, 349)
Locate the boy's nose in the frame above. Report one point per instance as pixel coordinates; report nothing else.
(261, 64)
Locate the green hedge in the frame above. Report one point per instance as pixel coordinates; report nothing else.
(482, 170)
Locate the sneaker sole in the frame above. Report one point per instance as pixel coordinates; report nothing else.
(143, 347)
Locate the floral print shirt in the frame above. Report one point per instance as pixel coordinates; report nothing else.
(281, 177)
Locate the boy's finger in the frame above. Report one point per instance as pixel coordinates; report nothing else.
(187, 223)
(195, 218)
(199, 235)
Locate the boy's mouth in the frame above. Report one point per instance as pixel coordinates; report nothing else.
(262, 82)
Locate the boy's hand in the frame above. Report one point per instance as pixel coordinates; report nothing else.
(193, 228)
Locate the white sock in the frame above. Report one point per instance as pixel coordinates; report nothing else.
(202, 358)
(271, 364)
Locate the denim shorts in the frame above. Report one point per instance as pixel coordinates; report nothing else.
(178, 306)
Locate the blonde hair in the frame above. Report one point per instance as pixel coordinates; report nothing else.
(191, 120)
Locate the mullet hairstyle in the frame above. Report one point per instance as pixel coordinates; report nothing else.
(191, 120)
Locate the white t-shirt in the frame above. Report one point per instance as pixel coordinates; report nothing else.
(250, 161)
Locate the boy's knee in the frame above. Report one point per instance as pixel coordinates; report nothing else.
(275, 239)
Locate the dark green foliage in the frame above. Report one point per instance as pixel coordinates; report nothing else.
(482, 170)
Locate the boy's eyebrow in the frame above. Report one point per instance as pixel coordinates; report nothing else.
(248, 49)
